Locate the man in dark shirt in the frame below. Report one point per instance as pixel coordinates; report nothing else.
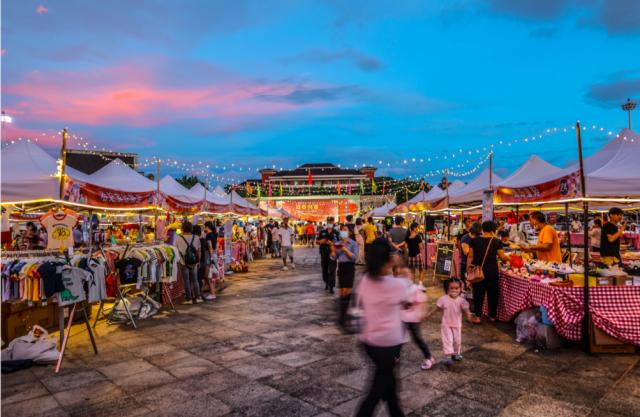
(610, 237)
(326, 238)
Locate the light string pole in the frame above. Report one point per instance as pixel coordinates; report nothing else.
(629, 106)
(585, 207)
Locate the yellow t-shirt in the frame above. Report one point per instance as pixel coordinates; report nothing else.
(549, 235)
(370, 232)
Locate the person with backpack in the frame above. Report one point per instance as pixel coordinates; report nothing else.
(188, 246)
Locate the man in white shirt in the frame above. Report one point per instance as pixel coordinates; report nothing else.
(286, 236)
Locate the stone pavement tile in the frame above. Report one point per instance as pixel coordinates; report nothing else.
(291, 381)
(604, 413)
(586, 392)
(439, 379)
(258, 367)
(349, 408)
(490, 393)
(230, 356)
(89, 394)
(281, 406)
(358, 380)
(327, 395)
(122, 407)
(17, 378)
(223, 334)
(620, 403)
(211, 383)
(201, 405)
(417, 397)
(514, 378)
(164, 396)
(533, 405)
(103, 358)
(56, 383)
(141, 381)
(247, 394)
(530, 362)
(325, 414)
(495, 353)
(13, 393)
(269, 348)
(132, 340)
(295, 359)
(452, 405)
(212, 349)
(46, 405)
(331, 368)
(126, 368)
(629, 385)
(245, 341)
(183, 364)
(152, 349)
(190, 341)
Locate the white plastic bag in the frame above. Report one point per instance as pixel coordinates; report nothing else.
(41, 348)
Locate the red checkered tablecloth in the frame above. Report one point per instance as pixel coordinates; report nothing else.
(614, 309)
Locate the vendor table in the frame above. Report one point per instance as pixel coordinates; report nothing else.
(614, 309)
(633, 238)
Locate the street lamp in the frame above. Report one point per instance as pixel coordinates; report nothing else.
(629, 106)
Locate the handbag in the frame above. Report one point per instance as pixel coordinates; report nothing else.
(474, 272)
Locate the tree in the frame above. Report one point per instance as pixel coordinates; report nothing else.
(189, 181)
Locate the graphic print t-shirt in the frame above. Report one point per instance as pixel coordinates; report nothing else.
(59, 225)
(128, 270)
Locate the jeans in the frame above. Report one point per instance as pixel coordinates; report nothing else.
(190, 280)
(328, 269)
(491, 287)
(414, 331)
(383, 385)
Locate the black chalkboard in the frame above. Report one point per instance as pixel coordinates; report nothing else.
(444, 259)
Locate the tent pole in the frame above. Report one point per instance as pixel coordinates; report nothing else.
(63, 165)
(585, 205)
(155, 212)
(567, 226)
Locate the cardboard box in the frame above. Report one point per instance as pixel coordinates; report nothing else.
(18, 323)
(606, 280)
(624, 280)
(578, 280)
(601, 338)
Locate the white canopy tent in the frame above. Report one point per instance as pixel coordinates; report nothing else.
(474, 190)
(28, 173)
(171, 187)
(117, 175)
(382, 211)
(530, 172)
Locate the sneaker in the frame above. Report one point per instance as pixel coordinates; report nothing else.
(457, 357)
(284, 268)
(198, 300)
(447, 362)
(210, 297)
(186, 303)
(427, 364)
(293, 266)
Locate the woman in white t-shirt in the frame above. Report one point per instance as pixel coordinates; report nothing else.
(382, 298)
(594, 235)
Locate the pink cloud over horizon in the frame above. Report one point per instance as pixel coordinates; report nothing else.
(41, 9)
(134, 94)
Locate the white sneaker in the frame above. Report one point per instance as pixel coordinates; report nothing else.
(284, 268)
(293, 266)
(210, 297)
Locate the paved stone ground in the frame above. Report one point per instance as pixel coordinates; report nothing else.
(268, 347)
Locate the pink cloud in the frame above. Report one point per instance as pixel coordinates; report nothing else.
(41, 9)
(132, 94)
(3, 52)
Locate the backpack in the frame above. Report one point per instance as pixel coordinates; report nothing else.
(190, 254)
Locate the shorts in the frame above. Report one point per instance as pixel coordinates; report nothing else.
(287, 251)
(346, 274)
(415, 262)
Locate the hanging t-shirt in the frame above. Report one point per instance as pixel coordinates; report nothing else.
(96, 288)
(128, 270)
(73, 279)
(59, 225)
(51, 273)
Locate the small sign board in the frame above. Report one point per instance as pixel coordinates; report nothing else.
(444, 259)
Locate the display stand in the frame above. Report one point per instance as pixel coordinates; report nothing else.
(65, 338)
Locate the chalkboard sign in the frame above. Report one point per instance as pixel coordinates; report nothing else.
(444, 259)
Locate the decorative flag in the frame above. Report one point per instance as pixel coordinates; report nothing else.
(310, 177)
(361, 187)
(280, 189)
(349, 188)
(270, 192)
(374, 187)
(339, 188)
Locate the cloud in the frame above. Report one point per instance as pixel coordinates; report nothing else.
(614, 89)
(359, 59)
(616, 17)
(304, 95)
(41, 9)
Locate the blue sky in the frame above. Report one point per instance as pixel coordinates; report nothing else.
(352, 82)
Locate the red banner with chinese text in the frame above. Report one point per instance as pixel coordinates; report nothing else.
(558, 189)
(316, 210)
